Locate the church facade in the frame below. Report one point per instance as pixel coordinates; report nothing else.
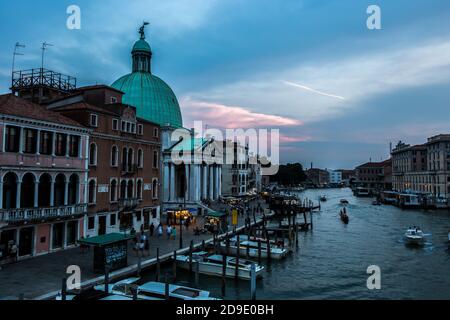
(197, 180)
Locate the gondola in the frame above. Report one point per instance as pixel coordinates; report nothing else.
(344, 217)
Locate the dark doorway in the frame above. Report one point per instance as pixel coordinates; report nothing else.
(9, 191)
(45, 184)
(26, 241)
(27, 193)
(5, 237)
(101, 225)
(58, 235)
(60, 185)
(71, 233)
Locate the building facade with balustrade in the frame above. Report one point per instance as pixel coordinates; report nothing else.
(43, 179)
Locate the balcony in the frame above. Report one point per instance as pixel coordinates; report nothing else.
(129, 169)
(17, 215)
(128, 204)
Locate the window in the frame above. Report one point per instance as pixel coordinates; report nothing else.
(91, 192)
(113, 100)
(29, 144)
(140, 159)
(12, 139)
(139, 189)
(156, 132)
(140, 129)
(113, 191)
(114, 156)
(74, 143)
(93, 154)
(46, 143)
(133, 128)
(61, 142)
(94, 120)
(155, 189)
(155, 159)
(112, 219)
(138, 216)
(124, 125)
(115, 124)
(91, 223)
(128, 129)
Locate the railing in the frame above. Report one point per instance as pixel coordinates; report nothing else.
(15, 215)
(130, 169)
(43, 77)
(128, 203)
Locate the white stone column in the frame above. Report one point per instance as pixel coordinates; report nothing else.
(66, 192)
(198, 179)
(166, 181)
(211, 182)
(1, 194)
(36, 194)
(205, 182)
(220, 181)
(188, 190)
(18, 194)
(68, 145)
(38, 142)
(193, 182)
(52, 193)
(22, 140)
(54, 144)
(172, 182)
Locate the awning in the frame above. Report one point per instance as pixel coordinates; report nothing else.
(105, 239)
(215, 214)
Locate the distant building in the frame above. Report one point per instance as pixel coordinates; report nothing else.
(375, 176)
(423, 168)
(318, 177)
(335, 176)
(235, 175)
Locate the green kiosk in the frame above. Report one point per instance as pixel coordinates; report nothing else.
(110, 251)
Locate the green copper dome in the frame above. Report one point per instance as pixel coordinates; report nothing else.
(153, 98)
(142, 45)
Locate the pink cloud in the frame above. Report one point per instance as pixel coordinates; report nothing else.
(233, 117)
(288, 139)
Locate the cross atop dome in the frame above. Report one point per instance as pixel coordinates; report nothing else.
(142, 29)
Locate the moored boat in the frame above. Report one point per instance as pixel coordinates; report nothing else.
(276, 252)
(344, 201)
(323, 198)
(213, 265)
(157, 291)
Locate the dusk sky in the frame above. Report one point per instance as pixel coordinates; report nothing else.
(338, 92)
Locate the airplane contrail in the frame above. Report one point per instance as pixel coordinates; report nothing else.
(313, 90)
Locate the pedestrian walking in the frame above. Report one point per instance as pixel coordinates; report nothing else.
(174, 233)
(160, 230)
(152, 229)
(168, 231)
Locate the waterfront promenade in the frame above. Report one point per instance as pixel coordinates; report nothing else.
(41, 277)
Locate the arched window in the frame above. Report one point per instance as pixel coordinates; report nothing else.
(59, 192)
(140, 159)
(113, 191)
(45, 185)
(124, 159)
(93, 154)
(27, 192)
(155, 159)
(123, 189)
(91, 193)
(130, 159)
(155, 189)
(74, 184)
(139, 189)
(130, 189)
(9, 190)
(114, 156)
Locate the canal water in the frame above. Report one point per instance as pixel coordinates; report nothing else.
(332, 260)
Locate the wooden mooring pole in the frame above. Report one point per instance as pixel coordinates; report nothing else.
(238, 244)
(191, 249)
(269, 258)
(174, 265)
(224, 273)
(63, 289)
(158, 265)
(259, 252)
(166, 287)
(253, 282)
(106, 280)
(197, 271)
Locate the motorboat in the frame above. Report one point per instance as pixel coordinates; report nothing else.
(414, 235)
(449, 236)
(344, 217)
(157, 291)
(213, 265)
(344, 201)
(125, 288)
(323, 198)
(277, 252)
(116, 297)
(376, 203)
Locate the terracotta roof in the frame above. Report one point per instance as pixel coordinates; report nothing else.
(375, 164)
(19, 107)
(97, 86)
(85, 106)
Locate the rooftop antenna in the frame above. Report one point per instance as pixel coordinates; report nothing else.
(16, 53)
(44, 47)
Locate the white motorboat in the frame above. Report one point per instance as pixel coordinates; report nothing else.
(449, 236)
(276, 252)
(414, 236)
(157, 290)
(124, 288)
(213, 265)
